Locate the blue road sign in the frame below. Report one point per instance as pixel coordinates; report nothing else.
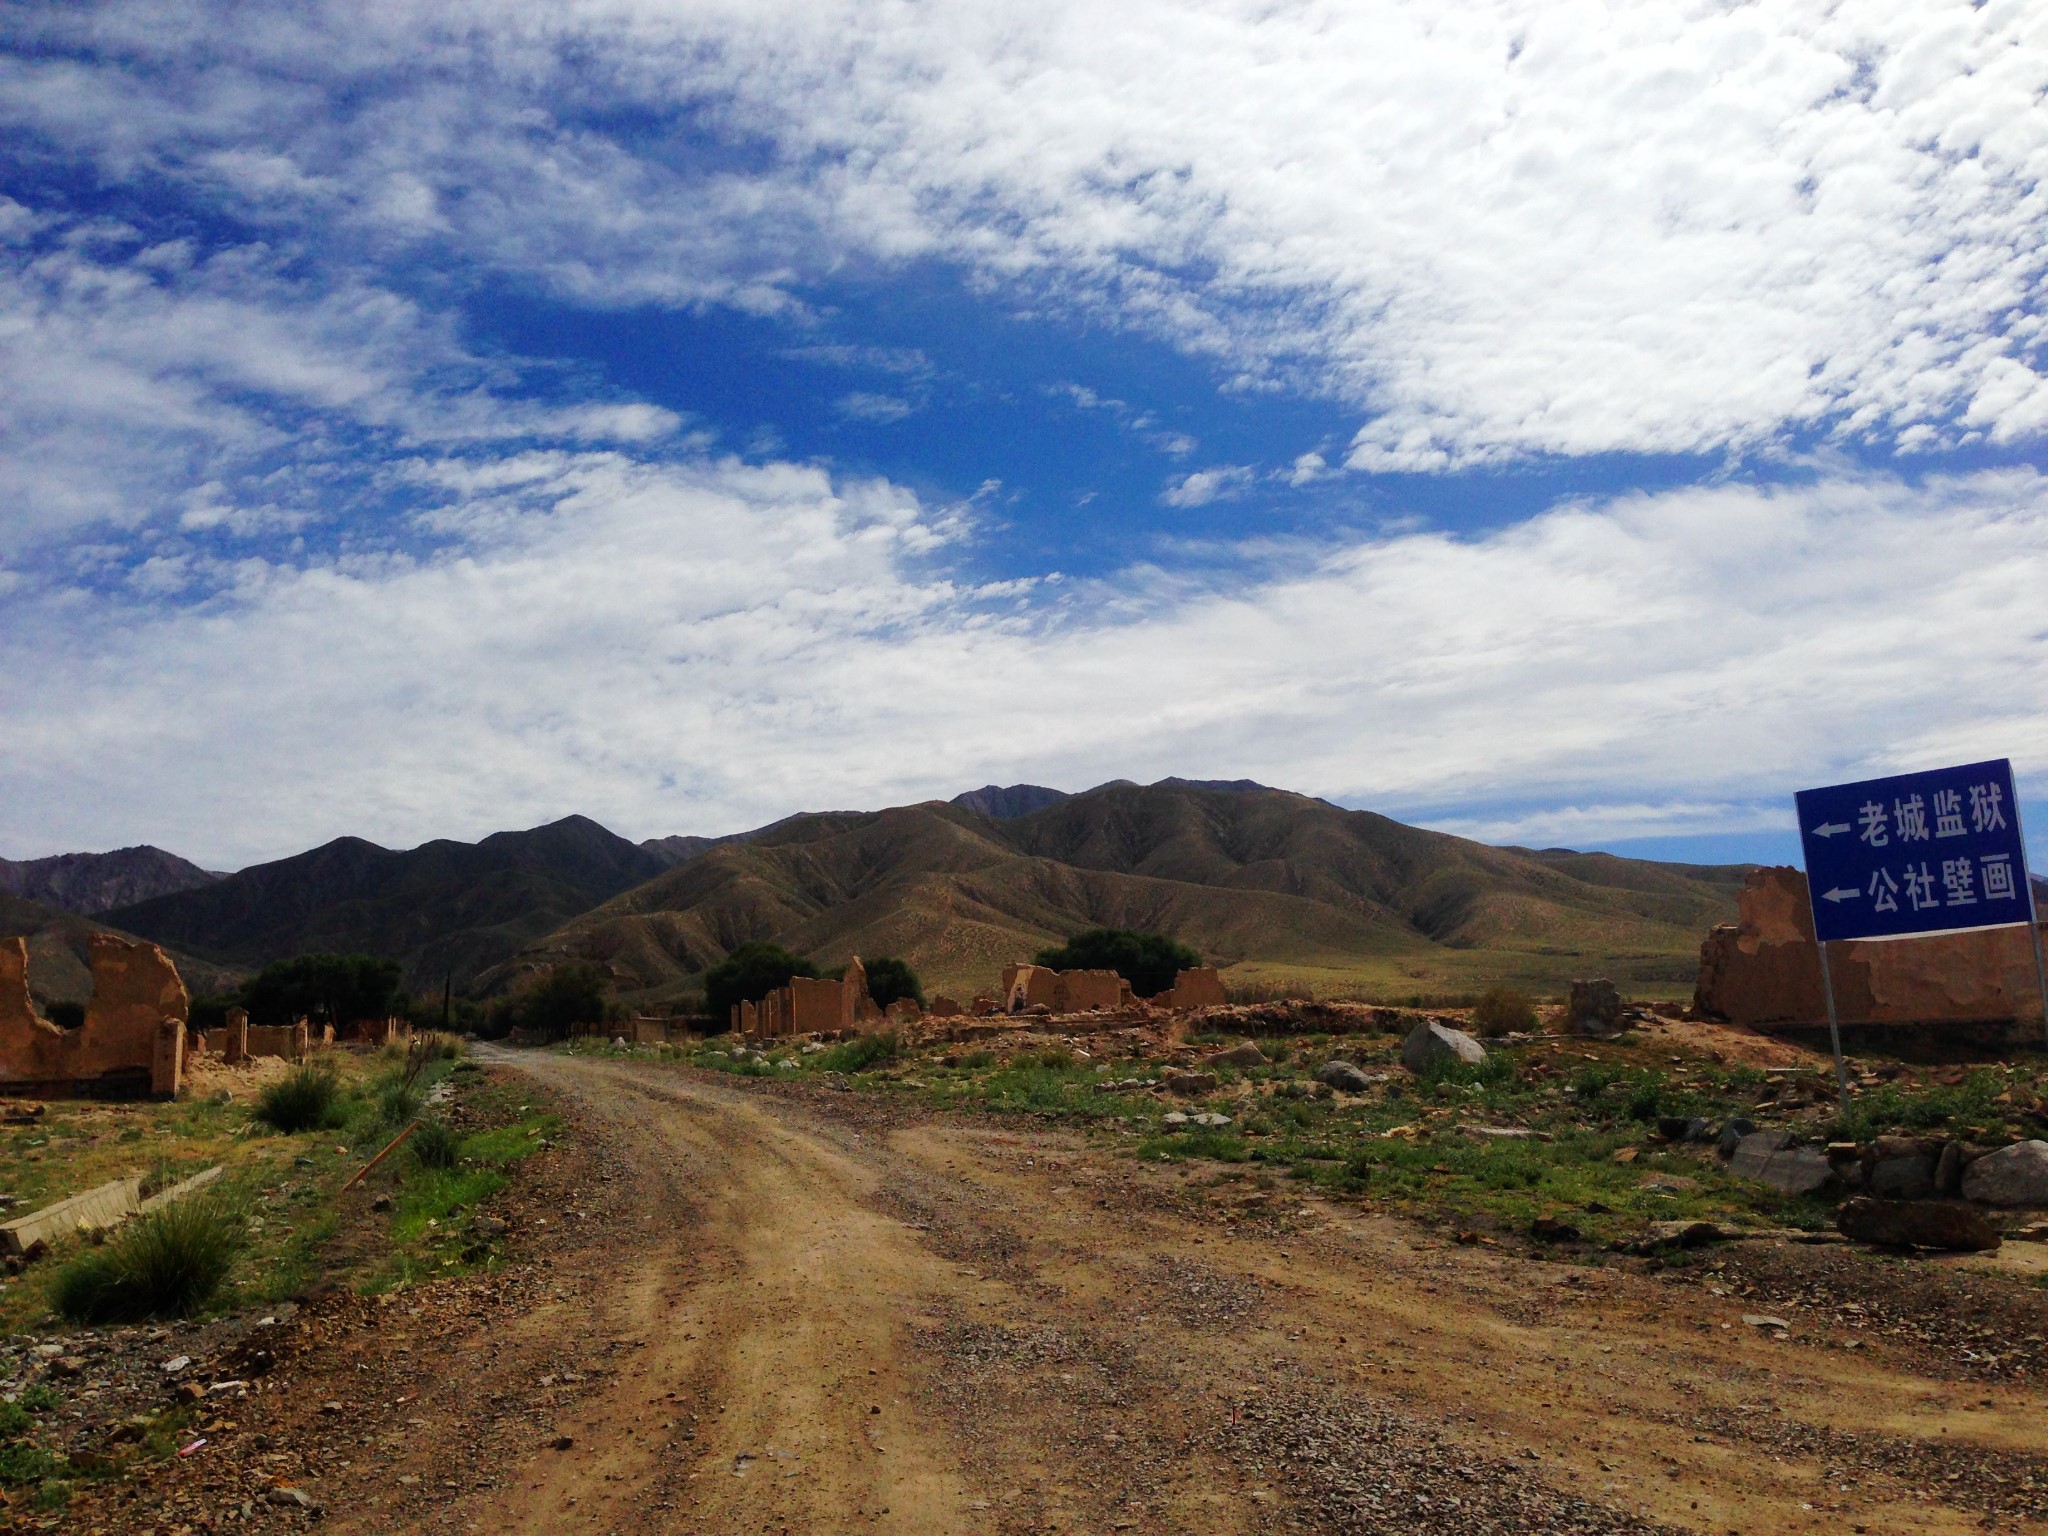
(1934, 852)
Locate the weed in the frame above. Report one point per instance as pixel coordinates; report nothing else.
(398, 1102)
(166, 1263)
(304, 1099)
(1502, 1011)
(859, 1054)
(434, 1145)
(979, 1061)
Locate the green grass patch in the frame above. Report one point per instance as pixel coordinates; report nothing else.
(171, 1262)
(307, 1098)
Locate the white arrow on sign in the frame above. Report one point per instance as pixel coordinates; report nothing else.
(1840, 894)
(1830, 828)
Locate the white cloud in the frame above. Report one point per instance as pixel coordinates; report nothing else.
(705, 646)
(1207, 485)
(865, 405)
(1516, 229)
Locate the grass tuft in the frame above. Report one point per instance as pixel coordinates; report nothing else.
(166, 1263)
(434, 1145)
(304, 1099)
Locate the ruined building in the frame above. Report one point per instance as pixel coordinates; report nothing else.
(1764, 970)
(131, 1045)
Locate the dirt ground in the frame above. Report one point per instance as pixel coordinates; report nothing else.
(765, 1309)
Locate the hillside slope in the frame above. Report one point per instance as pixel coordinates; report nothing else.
(1271, 882)
(92, 883)
(442, 909)
(60, 955)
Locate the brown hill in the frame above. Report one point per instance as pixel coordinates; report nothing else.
(59, 953)
(1263, 880)
(93, 883)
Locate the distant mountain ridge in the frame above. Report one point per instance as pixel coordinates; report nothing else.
(1002, 802)
(91, 883)
(1240, 871)
(443, 909)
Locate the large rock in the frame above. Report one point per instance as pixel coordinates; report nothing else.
(1190, 1082)
(1903, 1178)
(1916, 1224)
(2014, 1175)
(1595, 1010)
(1430, 1043)
(1246, 1055)
(1342, 1074)
(1770, 1158)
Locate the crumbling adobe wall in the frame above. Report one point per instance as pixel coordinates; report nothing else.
(133, 1037)
(1199, 987)
(1082, 991)
(1765, 968)
(1028, 986)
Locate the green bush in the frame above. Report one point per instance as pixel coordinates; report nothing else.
(304, 1099)
(890, 979)
(1502, 1011)
(860, 1054)
(165, 1263)
(398, 1102)
(747, 975)
(338, 988)
(435, 1145)
(1150, 962)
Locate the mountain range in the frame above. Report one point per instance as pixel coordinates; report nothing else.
(91, 883)
(1275, 885)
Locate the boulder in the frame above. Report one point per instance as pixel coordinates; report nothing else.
(1342, 1074)
(1732, 1134)
(2014, 1175)
(1246, 1055)
(1902, 1178)
(1595, 1010)
(1916, 1224)
(1682, 1127)
(1430, 1043)
(1190, 1082)
(1770, 1158)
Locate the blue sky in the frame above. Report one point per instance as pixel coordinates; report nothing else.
(1557, 424)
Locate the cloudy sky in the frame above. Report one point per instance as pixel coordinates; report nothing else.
(1557, 423)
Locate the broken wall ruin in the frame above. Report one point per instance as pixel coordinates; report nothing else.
(1764, 969)
(131, 1045)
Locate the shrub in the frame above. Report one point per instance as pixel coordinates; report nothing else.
(749, 974)
(1502, 1011)
(1150, 962)
(435, 1145)
(302, 1100)
(860, 1054)
(165, 1263)
(890, 979)
(573, 993)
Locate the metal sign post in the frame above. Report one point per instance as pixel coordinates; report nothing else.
(1915, 855)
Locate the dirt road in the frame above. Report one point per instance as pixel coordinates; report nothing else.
(769, 1311)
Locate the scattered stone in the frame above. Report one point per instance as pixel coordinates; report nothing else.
(1595, 1010)
(1189, 1083)
(381, 1203)
(330, 1407)
(1343, 1075)
(1682, 1127)
(175, 1364)
(1732, 1134)
(292, 1498)
(189, 1392)
(1916, 1224)
(1763, 1320)
(1212, 1121)
(1687, 1234)
(562, 1442)
(1431, 1043)
(2014, 1175)
(67, 1365)
(1174, 1118)
(1553, 1229)
(1246, 1055)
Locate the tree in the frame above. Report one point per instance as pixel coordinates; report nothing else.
(566, 995)
(749, 974)
(890, 979)
(335, 988)
(1148, 961)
